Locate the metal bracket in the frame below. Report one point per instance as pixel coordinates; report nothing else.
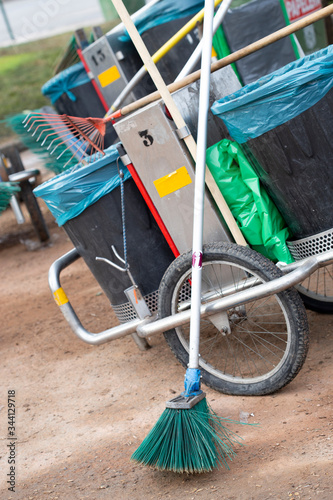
(81, 38)
(183, 132)
(134, 295)
(138, 302)
(221, 321)
(126, 160)
(123, 155)
(184, 403)
(120, 55)
(121, 269)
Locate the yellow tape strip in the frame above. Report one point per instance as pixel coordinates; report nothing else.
(109, 76)
(60, 297)
(172, 182)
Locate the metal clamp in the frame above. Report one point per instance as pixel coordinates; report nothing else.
(123, 155)
(184, 402)
(121, 269)
(133, 293)
(183, 132)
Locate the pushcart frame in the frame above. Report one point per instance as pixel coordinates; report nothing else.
(141, 328)
(294, 274)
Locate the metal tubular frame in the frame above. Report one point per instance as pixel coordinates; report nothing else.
(294, 273)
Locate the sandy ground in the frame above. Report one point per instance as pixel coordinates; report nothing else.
(81, 410)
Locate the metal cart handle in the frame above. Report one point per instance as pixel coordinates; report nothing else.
(294, 274)
(67, 310)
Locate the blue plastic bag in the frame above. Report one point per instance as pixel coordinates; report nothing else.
(71, 192)
(63, 82)
(276, 98)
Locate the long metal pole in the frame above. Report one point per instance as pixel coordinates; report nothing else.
(7, 23)
(220, 15)
(199, 188)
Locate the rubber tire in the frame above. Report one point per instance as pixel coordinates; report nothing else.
(316, 304)
(266, 270)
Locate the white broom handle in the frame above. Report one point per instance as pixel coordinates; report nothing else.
(177, 117)
(218, 18)
(199, 187)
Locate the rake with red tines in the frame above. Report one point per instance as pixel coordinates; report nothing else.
(82, 136)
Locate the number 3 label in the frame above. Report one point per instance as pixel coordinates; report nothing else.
(147, 138)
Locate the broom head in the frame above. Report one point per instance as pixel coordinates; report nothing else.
(190, 439)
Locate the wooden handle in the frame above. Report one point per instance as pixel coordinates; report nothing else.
(177, 117)
(235, 56)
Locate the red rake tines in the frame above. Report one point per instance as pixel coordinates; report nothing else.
(82, 136)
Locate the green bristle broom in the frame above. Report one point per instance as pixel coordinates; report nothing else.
(69, 57)
(189, 436)
(16, 123)
(7, 190)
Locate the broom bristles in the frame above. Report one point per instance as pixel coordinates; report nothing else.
(192, 441)
(41, 148)
(7, 190)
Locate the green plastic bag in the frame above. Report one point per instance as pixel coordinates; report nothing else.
(257, 217)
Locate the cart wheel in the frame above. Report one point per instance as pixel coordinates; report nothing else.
(253, 349)
(317, 290)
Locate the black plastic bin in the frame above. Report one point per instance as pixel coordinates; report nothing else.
(173, 62)
(156, 25)
(248, 23)
(87, 202)
(284, 122)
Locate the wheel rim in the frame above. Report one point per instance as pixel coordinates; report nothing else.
(319, 285)
(259, 339)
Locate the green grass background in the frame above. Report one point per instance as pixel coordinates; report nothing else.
(25, 68)
(23, 71)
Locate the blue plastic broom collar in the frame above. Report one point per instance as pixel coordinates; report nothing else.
(192, 382)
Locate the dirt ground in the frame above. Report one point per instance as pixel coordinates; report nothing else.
(81, 410)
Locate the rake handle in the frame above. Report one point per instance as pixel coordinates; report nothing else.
(235, 56)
